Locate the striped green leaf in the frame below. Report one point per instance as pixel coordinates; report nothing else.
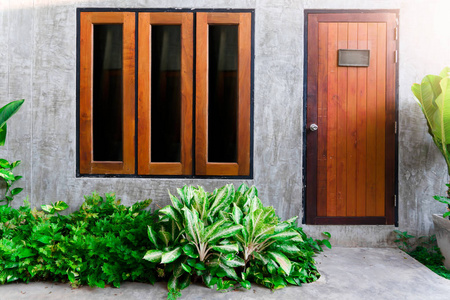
(191, 224)
(153, 256)
(224, 232)
(282, 260)
(173, 214)
(232, 261)
(229, 248)
(152, 236)
(175, 202)
(165, 236)
(170, 256)
(237, 214)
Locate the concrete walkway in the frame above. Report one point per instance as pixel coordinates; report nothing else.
(347, 273)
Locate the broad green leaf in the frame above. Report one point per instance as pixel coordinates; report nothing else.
(200, 266)
(191, 226)
(168, 257)
(327, 234)
(261, 257)
(152, 236)
(4, 163)
(175, 202)
(285, 235)
(211, 229)
(327, 243)
(286, 248)
(242, 188)
(190, 251)
(5, 113)
(15, 164)
(246, 284)
(224, 197)
(16, 191)
(232, 261)
(282, 260)
(229, 248)
(173, 214)
(60, 205)
(186, 268)
(230, 272)
(153, 256)
(48, 208)
(165, 236)
(237, 214)
(7, 175)
(224, 232)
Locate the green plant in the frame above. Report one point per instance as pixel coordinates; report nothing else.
(404, 239)
(6, 167)
(433, 97)
(425, 250)
(227, 238)
(7, 175)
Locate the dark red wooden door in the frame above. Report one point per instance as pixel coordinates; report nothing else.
(351, 156)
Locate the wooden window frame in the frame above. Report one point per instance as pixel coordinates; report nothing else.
(87, 163)
(146, 166)
(202, 165)
(137, 111)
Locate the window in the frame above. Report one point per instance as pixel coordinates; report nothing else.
(187, 123)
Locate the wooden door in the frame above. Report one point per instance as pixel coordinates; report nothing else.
(350, 169)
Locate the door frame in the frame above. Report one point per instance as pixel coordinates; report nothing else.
(310, 151)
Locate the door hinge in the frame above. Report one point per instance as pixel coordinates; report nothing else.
(396, 33)
(395, 127)
(396, 56)
(395, 200)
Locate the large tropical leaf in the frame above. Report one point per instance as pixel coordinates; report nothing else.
(443, 103)
(5, 113)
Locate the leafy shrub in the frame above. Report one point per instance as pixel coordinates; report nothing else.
(101, 243)
(227, 238)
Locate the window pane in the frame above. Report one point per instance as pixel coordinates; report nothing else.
(107, 92)
(166, 93)
(222, 93)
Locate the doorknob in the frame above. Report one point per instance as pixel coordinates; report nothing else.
(313, 127)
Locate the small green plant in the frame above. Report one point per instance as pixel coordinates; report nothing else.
(6, 168)
(425, 250)
(404, 239)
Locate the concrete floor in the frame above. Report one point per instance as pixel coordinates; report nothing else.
(347, 273)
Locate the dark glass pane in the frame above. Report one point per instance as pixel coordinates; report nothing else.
(166, 93)
(222, 93)
(107, 92)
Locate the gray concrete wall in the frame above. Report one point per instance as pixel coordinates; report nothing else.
(38, 63)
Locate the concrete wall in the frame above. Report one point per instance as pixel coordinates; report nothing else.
(38, 63)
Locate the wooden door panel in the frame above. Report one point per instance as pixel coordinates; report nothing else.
(350, 170)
